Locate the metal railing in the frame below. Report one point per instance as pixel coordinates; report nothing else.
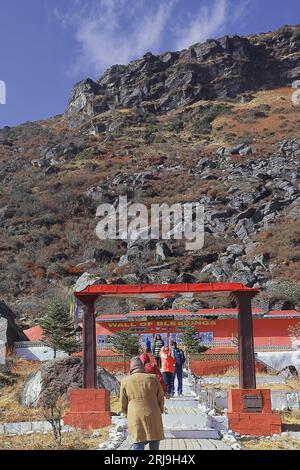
(118, 359)
(262, 347)
(104, 346)
(274, 347)
(30, 344)
(215, 344)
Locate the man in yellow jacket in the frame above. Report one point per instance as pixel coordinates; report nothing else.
(142, 400)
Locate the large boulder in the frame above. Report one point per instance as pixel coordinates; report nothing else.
(108, 381)
(61, 375)
(289, 373)
(87, 279)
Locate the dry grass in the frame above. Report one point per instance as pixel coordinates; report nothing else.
(234, 372)
(10, 408)
(291, 417)
(115, 404)
(288, 386)
(280, 443)
(291, 385)
(78, 440)
(12, 411)
(263, 128)
(23, 367)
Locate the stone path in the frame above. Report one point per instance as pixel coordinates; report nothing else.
(186, 427)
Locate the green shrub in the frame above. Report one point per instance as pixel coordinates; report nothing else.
(47, 220)
(176, 126)
(263, 107)
(86, 154)
(203, 120)
(246, 139)
(150, 134)
(280, 111)
(230, 137)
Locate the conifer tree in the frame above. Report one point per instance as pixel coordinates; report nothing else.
(58, 328)
(189, 340)
(126, 343)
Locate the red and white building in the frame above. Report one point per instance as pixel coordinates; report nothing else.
(217, 327)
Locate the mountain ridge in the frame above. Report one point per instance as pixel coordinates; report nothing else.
(216, 69)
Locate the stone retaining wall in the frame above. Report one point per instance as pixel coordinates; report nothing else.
(28, 427)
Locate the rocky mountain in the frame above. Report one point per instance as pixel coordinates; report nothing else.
(214, 124)
(214, 70)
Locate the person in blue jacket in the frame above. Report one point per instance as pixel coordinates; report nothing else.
(148, 345)
(179, 357)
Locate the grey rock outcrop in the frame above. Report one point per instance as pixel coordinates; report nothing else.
(216, 69)
(289, 373)
(60, 375)
(163, 251)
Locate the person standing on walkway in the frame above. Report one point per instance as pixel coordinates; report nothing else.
(167, 367)
(142, 400)
(153, 369)
(157, 345)
(148, 345)
(179, 357)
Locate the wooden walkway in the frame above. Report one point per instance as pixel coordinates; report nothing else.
(183, 444)
(183, 407)
(183, 411)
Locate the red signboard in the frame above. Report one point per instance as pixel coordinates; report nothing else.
(156, 325)
(267, 331)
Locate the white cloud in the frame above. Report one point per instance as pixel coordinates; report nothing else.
(208, 23)
(116, 31)
(241, 11)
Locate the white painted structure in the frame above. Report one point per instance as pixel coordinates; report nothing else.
(3, 329)
(2, 353)
(280, 359)
(36, 351)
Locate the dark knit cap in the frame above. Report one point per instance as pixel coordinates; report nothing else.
(136, 364)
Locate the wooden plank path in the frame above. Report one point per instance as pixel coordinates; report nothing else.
(182, 444)
(183, 410)
(186, 405)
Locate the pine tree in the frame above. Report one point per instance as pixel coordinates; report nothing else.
(190, 341)
(58, 328)
(126, 344)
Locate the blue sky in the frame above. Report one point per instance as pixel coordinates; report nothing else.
(48, 45)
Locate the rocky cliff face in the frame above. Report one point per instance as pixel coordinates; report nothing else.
(216, 69)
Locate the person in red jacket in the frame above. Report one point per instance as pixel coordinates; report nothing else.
(153, 369)
(167, 368)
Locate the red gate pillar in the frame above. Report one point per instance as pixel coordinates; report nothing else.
(89, 344)
(249, 409)
(89, 406)
(247, 377)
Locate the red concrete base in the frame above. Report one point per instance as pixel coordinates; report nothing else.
(89, 408)
(263, 423)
